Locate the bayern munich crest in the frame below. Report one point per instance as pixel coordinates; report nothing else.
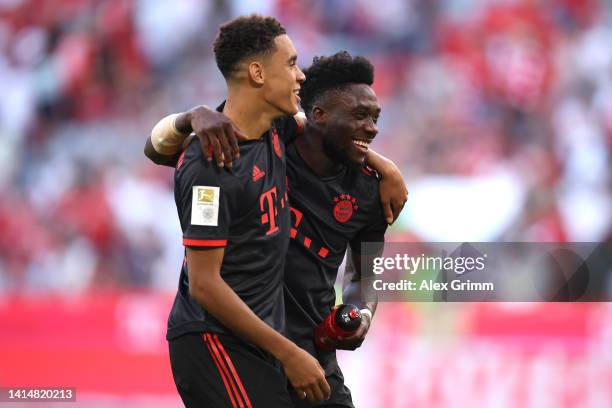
(344, 207)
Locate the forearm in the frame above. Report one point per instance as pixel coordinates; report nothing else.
(392, 188)
(379, 162)
(227, 307)
(351, 294)
(167, 138)
(159, 158)
(352, 291)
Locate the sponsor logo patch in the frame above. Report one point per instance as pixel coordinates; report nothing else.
(205, 206)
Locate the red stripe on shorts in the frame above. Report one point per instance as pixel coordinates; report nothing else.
(223, 374)
(228, 360)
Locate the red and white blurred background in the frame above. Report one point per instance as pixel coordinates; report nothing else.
(499, 113)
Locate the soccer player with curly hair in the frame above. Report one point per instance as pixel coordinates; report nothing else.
(335, 205)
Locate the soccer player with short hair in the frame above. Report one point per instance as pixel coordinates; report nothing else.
(335, 203)
(225, 323)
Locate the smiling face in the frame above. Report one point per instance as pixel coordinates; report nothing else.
(348, 122)
(282, 77)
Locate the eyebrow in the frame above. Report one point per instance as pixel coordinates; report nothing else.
(368, 108)
(293, 58)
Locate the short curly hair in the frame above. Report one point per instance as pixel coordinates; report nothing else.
(331, 74)
(244, 37)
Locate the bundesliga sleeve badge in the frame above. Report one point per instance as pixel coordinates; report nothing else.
(205, 206)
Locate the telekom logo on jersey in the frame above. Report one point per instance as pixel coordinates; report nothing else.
(268, 204)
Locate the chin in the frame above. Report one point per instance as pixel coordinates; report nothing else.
(284, 108)
(358, 158)
(355, 161)
(290, 110)
(295, 108)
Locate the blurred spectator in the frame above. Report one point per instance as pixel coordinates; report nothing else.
(502, 108)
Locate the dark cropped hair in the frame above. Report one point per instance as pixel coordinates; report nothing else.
(333, 73)
(244, 37)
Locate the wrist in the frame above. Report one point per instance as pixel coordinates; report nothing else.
(284, 351)
(367, 314)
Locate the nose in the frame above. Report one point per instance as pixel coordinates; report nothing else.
(300, 76)
(371, 128)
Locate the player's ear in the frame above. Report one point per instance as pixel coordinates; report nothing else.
(256, 72)
(319, 115)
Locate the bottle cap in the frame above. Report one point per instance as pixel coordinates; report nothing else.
(348, 318)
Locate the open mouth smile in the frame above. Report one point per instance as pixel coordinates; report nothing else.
(362, 144)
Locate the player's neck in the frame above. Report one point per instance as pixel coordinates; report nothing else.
(312, 151)
(248, 113)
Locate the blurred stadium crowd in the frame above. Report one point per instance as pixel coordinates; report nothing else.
(498, 112)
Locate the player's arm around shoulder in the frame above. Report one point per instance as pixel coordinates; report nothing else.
(164, 145)
(392, 189)
(218, 137)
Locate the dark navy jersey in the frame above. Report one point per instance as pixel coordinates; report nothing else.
(244, 210)
(326, 215)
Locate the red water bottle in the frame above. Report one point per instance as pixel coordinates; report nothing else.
(343, 321)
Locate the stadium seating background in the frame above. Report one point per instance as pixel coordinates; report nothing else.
(498, 112)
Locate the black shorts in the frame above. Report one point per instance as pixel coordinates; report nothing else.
(218, 371)
(340, 394)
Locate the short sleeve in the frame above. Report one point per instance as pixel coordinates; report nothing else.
(203, 196)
